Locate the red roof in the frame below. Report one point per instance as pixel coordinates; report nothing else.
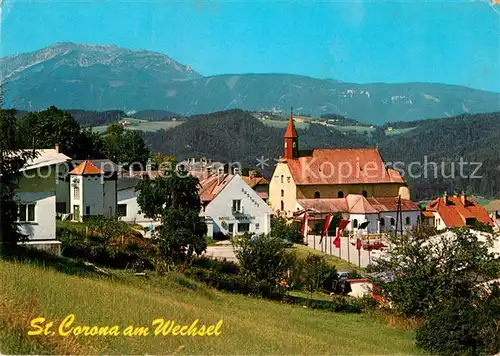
(454, 213)
(253, 181)
(357, 204)
(391, 204)
(342, 166)
(86, 168)
(290, 130)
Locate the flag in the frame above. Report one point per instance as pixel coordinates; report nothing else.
(305, 225)
(363, 225)
(328, 221)
(358, 240)
(342, 225)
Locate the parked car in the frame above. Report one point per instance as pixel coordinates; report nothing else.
(376, 245)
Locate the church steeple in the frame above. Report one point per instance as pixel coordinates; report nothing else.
(291, 139)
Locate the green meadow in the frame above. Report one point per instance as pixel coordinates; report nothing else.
(249, 325)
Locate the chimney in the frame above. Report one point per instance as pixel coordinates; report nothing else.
(445, 198)
(236, 171)
(57, 147)
(130, 171)
(220, 172)
(252, 174)
(463, 198)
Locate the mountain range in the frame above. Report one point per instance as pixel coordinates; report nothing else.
(106, 77)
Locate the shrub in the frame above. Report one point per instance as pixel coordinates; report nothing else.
(282, 230)
(263, 258)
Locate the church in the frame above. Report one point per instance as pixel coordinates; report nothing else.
(338, 180)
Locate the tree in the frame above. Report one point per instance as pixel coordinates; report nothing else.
(125, 146)
(164, 162)
(47, 128)
(286, 231)
(12, 159)
(316, 271)
(434, 277)
(174, 199)
(264, 258)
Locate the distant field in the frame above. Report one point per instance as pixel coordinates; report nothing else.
(144, 125)
(398, 131)
(250, 326)
(283, 124)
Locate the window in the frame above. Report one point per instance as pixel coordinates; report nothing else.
(393, 222)
(230, 229)
(470, 221)
(282, 179)
(340, 194)
(355, 223)
(382, 222)
(26, 212)
(122, 209)
(236, 206)
(282, 206)
(87, 210)
(288, 179)
(61, 207)
(365, 193)
(408, 220)
(316, 195)
(76, 192)
(243, 227)
(282, 193)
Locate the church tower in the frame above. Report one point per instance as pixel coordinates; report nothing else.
(291, 140)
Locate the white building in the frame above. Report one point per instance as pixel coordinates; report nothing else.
(91, 192)
(232, 207)
(128, 209)
(380, 212)
(37, 198)
(229, 205)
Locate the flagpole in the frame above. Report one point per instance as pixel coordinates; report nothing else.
(348, 248)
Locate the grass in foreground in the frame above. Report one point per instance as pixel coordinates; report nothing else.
(251, 326)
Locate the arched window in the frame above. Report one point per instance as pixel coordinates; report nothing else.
(340, 194)
(316, 195)
(282, 193)
(365, 193)
(393, 222)
(382, 222)
(282, 205)
(408, 220)
(282, 179)
(355, 223)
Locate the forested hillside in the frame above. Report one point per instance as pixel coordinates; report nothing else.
(236, 136)
(473, 138)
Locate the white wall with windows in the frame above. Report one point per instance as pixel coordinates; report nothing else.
(128, 210)
(238, 209)
(36, 215)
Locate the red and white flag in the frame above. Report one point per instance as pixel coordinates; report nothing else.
(358, 239)
(342, 225)
(328, 221)
(305, 226)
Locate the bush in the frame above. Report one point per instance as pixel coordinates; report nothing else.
(460, 328)
(227, 267)
(290, 232)
(263, 258)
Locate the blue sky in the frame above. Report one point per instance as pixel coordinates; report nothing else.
(454, 42)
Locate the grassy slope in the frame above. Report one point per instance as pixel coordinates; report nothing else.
(341, 265)
(251, 326)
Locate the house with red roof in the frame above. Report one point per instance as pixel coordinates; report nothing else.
(322, 179)
(92, 191)
(455, 211)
